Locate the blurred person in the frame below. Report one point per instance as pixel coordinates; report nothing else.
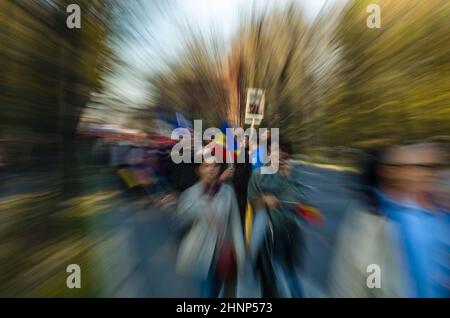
(363, 239)
(239, 175)
(422, 227)
(276, 241)
(181, 176)
(241, 178)
(259, 153)
(148, 172)
(213, 246)
(402, 230)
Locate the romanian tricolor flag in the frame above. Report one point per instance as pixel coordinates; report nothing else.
(228, 142)
(225, 145)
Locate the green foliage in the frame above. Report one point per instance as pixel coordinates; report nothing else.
(49, 71)
(332, 82)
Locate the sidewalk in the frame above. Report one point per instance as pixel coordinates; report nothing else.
(334, 167)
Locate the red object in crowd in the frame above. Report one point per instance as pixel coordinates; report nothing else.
(310, 214)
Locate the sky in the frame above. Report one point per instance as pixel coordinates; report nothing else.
(167, 29)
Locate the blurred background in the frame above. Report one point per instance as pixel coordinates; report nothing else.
(77, 105)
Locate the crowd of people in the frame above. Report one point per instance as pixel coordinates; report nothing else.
(232, 217)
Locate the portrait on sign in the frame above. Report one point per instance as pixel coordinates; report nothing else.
(254, 110)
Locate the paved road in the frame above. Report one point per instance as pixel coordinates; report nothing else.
(332, 195)
(139, 260)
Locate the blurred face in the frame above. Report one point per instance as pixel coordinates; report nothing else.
(423, 173)
(208, 172)
(284, 158)
(413, 169)
(279, 159)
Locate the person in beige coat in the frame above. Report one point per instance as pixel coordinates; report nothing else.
(368, 258)
(213, 248)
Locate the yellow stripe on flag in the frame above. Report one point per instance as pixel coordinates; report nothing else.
(248, 225)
